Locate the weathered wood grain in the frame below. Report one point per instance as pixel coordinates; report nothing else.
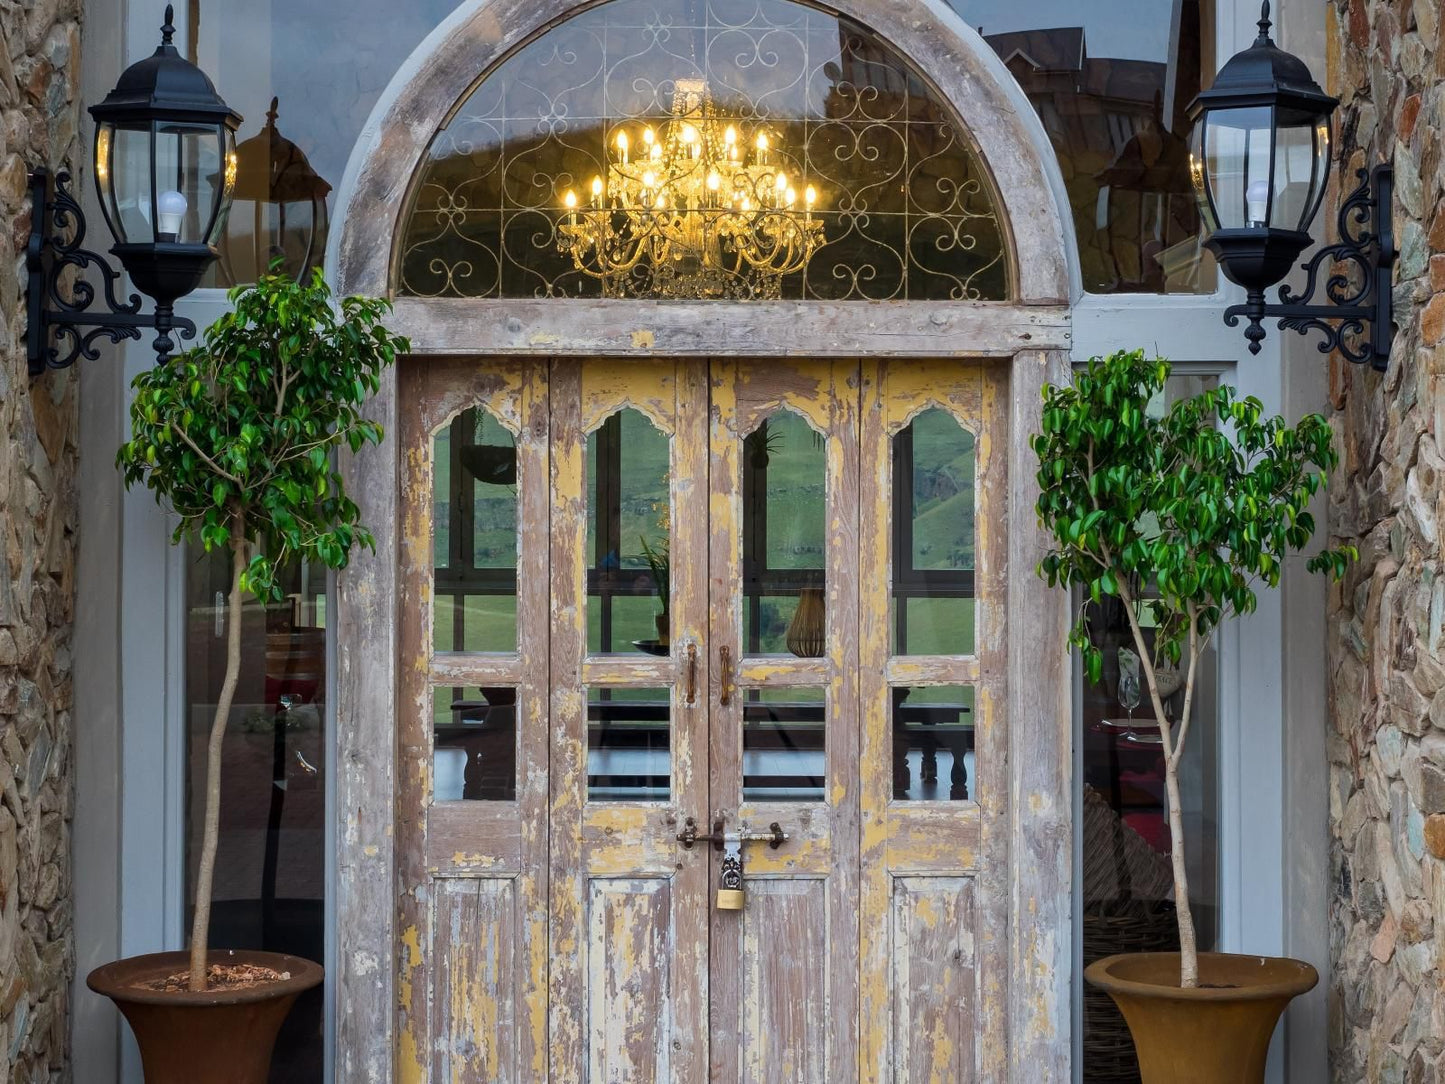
(475, 941)
(1040, 761)
(658, 329)
(935, 1020)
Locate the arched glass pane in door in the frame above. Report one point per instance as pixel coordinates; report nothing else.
(704, 149)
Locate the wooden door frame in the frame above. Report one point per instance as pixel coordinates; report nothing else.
(1030, 334)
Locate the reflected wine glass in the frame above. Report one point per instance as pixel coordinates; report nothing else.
(1129, 690)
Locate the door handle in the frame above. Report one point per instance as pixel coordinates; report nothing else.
(691, 674)
(725, 679)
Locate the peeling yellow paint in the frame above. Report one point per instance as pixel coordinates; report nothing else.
(643, 340)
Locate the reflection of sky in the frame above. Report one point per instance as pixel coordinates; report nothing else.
(1119, 29)
(327, 71)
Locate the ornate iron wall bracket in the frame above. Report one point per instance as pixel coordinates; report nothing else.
(1360, 273)
(62, 326)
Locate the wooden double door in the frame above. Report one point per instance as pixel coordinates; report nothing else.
(756, 601)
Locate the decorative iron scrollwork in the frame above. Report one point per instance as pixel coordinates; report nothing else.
(62, 326)
(904, 209)
(1357, 275)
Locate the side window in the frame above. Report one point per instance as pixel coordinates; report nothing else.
(1112, 83)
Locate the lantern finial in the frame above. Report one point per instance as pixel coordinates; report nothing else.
(168, 31)
(1264, 24)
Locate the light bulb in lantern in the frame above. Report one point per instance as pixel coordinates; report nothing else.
(622, 145)
(597, 190)
(171, 207)
(1257, 198)
(810, 196)
(763, 142)
(570, 199)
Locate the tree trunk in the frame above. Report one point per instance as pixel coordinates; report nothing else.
(1188, 944)
(205, 875)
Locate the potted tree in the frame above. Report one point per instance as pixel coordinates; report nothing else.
(1198, 505)
(238, 437)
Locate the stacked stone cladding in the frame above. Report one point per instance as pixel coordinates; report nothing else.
(1387, 619)
(39, 116)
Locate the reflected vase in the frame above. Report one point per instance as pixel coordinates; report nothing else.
(807, 635)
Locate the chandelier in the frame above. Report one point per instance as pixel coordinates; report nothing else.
(693, 210)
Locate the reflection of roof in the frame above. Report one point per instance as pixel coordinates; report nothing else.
(1060, 49)
(1063, 51)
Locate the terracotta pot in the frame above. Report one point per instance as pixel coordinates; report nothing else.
(215, 1037)
(1216, 1034)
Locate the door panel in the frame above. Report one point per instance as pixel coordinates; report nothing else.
(933, 954)
(831, 535)
(472, 768)
(784, 969)
(629, 915)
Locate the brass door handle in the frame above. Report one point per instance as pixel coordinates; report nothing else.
(725, 679)
(691, 674)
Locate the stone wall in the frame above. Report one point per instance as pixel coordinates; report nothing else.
(39, 101)
(1387, 620)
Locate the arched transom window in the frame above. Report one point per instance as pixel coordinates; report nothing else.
(704, 149)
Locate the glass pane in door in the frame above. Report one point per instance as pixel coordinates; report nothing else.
(629, 738)
(785, 744)
(474, 744)
(785, 494)
(934, 468)
(474, 535)
(629, 526)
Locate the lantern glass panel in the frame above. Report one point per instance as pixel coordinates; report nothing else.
(189, 181)
(228, 186)
(1301, 167)
(123, 168)
(1236, 153)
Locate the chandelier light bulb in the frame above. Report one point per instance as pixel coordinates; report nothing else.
(689, 134)
(730, 136)
(649, 179)
(657, 152)
(810, 196)
(714, 182)
(648, 136)
(570, 199)
(792, 196)
(782, 182)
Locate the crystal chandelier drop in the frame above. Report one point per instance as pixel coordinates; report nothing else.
(693, 210)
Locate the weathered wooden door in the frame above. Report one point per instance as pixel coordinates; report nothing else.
(825, 542)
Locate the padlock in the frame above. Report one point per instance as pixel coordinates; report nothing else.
(730, 880)
(730, 899)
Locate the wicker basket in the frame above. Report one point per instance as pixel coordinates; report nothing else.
(1126, 909)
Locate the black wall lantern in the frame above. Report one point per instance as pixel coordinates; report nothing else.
(165, 170)
(1260, 166)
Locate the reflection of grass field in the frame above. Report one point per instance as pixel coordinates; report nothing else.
(943, 536)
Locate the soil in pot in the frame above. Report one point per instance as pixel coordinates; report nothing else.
(1216, 1034)
(223, 1035)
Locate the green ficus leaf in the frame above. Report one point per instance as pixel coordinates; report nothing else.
(1200, 502)
(243, 429)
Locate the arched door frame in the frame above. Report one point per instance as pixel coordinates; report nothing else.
(1030, 333)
